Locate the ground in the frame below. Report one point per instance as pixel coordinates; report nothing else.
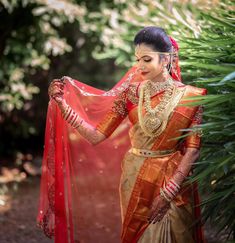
(18, 210)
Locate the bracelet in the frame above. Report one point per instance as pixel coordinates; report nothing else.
(170, 192)
(78, 124)
(72, 117)
(176, 185)
(65, 110)
(181, 173)
(164, 196)
(171, 189)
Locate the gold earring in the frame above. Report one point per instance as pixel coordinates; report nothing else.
(165, 71)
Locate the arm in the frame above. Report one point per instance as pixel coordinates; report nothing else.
(105, 127)
(90, 133)
(185, 166)
(192, 146)
(161, 203)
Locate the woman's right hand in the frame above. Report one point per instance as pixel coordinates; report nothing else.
(56, 90)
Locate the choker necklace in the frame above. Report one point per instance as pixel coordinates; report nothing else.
(157, 87)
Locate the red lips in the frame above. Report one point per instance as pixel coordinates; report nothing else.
(144, 73)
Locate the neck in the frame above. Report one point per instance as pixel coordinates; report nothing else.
(160, 78)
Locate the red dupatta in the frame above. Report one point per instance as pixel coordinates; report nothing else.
(79, 180)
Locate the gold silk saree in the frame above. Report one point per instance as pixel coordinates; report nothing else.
(143, 176)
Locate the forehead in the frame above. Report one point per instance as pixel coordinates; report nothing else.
(143, 47)
(144, 50)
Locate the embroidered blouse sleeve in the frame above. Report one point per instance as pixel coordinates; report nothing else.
(114, 117)
(194, 140)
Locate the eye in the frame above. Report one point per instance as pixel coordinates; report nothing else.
(147, 60)
(137, 60)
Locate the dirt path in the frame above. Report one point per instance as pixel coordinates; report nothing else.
(18, 217)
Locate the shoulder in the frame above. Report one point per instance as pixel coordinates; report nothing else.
(132, 92)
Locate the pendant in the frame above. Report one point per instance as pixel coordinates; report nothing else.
(152, 123)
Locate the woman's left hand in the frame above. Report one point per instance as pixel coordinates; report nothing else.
(158, 209)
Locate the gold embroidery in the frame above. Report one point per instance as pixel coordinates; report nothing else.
(132, 94)
(119, 105)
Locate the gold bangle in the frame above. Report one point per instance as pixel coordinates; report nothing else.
(78, 124)
(163, 195)
(64, 111)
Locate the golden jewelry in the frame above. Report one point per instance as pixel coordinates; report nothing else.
(163, 195)
(157, 87)
(154, 122)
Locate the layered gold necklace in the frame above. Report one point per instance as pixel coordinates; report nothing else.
(155, 120)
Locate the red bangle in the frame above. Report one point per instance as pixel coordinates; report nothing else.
(181, 173)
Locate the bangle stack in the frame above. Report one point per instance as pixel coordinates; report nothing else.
(169, 191)
(181, 173)
(72, 117)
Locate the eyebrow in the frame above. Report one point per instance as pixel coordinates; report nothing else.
(143, 56)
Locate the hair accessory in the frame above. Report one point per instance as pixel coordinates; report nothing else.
(175, 68)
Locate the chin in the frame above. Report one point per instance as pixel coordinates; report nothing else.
(146, 76)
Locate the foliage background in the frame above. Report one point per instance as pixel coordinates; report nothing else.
(43, 39)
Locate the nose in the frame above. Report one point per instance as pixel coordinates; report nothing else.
(141, 68)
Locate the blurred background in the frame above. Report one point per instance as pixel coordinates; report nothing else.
(91, 41)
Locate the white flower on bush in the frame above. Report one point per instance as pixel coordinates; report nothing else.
(56, 46)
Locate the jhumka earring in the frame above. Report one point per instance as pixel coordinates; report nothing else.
(165, 71)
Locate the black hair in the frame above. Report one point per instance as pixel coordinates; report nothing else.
(154, 36)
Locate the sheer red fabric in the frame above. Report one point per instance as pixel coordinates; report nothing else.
(79, 199)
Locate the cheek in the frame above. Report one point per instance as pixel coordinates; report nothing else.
(155, 67)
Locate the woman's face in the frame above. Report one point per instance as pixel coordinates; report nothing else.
(148, 62)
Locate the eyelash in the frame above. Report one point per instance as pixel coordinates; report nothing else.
(149, 60)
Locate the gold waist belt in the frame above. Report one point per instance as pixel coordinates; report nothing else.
(149, 153)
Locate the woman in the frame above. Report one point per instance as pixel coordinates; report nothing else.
(156, 206)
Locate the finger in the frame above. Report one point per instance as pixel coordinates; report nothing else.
(153, 216)
(57, 99)
(57, 84)
(162, 212)
(152, 212)
(55, 89)
(155, 219)
(158, 218)
(55, 93)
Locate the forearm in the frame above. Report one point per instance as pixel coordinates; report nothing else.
(171, 189)
(185, 166)
(90, 133)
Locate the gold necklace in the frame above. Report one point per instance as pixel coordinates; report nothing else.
(155, 120)
(168, 88)
(157, 87)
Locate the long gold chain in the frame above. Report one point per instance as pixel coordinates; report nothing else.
(155, 119)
